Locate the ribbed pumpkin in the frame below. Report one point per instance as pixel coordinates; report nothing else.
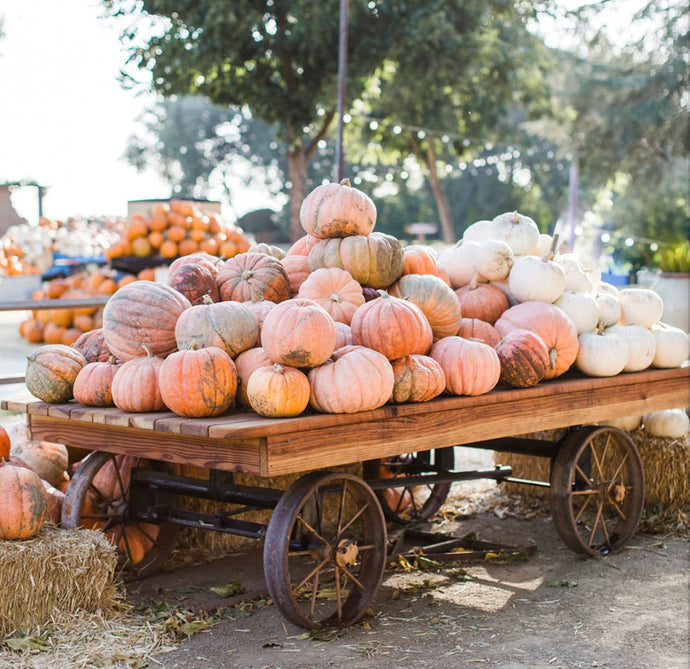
(556, 330)
(392, 326)
(278, 391)
(418, 378)
(93, 385)
(198, 383)
(435, 298)
(135, 386)
(376, 260)
(245, 364)
(268, 249)
(143, 313)
(5, 443)
(419, 259)
(92, 346)
(195, 281)
(297, 270)
(49, 460)
(24, 502)
(302, 246)
(51, 371)
(524, 358)
(337, 210)
(227, 325)
(482, 301)
(470, 367)
(343, 334)
(367, 375)
(299, 333)
(211, 263)
(260, 309)
(473, 328)
(253, 276)
(335, 290)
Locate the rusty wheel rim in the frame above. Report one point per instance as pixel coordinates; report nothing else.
(325, 550)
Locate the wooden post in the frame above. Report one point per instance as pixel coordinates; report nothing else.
(342, 79)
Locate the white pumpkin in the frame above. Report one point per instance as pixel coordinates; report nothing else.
(581, 308)
(533, 278)
(640, 306)
(605, 288)
(479, 231)
(602, 353)
(543, 246)
(671, 423)
(627, 423)
(672, 346)
(641, 343)
(493, 260)
(458, 261)
(518, 231)
(609, 309)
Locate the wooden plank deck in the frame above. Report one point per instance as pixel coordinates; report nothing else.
(244, 441)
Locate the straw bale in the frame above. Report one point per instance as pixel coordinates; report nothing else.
(54, 573)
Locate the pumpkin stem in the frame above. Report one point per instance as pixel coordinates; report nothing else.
(278, 368)
(554, 245)
(247, 274)
(334, 297)
(383, 293)
(148, 353)
(474, 281)
(345, 182)
(516, 218)
(207, 298)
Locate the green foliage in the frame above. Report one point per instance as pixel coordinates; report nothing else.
(675, 259)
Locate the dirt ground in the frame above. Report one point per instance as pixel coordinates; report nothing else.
(626, 611)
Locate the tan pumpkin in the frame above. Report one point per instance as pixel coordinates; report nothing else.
(253, 276)
(556, 330)
(297, 270)
(142, 313)
(278, 391)
(470, 367)
(482, 300)
(337, 210)
(198, 383)
(435, 298)
(51, 371)
(418, 378)
(245, 364)
(135, 387)
(376, 260)
(93, 385)
(268, 249)
(227, 325)
(299, 333)
(392, 326)
(367, 375)
(24, 502)
(335, 290)
(473, 328)
(49, 460)
(302, 246)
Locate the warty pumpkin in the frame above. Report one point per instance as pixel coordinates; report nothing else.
(253, 276)
(51, 371)
(278, 391)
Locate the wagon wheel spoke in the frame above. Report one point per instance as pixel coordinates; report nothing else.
(311, 529)
(313, 572)
(620, 466)
(596, 522)
(314, 590)
(351, 576)
(618, 509)
(606, 448)
(354, 517)
(593, 451)
(580, 512)
(579, 471)
(341, 509)
(338, 595)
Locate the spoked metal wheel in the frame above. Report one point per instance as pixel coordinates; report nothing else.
(325, 550)
(99, 497)
(597, 490)
(411, 503)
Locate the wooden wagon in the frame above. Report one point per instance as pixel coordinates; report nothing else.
(325, 545)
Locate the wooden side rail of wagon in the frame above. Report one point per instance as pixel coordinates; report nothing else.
(325, 544)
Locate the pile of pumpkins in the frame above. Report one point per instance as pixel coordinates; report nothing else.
(65, 326)
(349, 319)
(178, 228)
(33, 481)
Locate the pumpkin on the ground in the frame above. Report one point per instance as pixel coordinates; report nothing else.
(524, 358)
(470, 367)
(49, 460)
(24, 502)
(278, 391)
(51, 371)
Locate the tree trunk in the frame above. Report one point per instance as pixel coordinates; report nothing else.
(439, 196)
(297, 173)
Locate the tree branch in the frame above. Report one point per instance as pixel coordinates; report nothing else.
(327, 120)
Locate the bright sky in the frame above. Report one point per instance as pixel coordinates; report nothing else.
(64, 119)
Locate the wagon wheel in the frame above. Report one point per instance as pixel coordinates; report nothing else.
(325, 550)
(406, 504)
(597, 490)
(98, 497)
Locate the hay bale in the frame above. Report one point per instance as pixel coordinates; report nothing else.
(216, 544)
(56, 572)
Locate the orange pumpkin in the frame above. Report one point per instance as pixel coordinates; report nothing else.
(24, 502)
(335, 290)
(253, 276)
(93, 385)
(302, 246)
(278, 391)
(473, 328)
(298, 332)
(418, 378)
(142, 313)
(554, 327)
(419, 259)
(367, 375)
(246, 363)
(4, 444)
(260, 309)
(392, 326)
(51, 371)
(198, 383)
(471, 368)
(437, 301)
(337, 210)
(524, 358)
(482, 301)
(135, 387)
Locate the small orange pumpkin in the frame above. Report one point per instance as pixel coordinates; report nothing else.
(24, 502)
(482, 301)
(419, 259)
(278, 391)
(4, 444)
(93, 385)
(135, 387)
